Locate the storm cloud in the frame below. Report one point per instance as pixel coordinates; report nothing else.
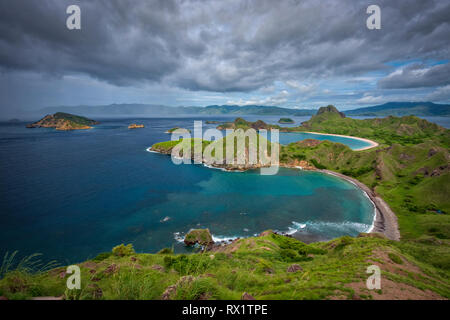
(227, 46)
(416, 76)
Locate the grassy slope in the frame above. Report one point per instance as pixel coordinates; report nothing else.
(254, 265)
(75, 121)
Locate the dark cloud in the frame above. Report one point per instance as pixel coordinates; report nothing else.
(220, 45)
(417, 76)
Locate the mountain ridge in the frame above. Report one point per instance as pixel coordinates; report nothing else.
(135, 109)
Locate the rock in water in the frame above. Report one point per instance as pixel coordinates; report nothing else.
(135, 126)
(201, 236)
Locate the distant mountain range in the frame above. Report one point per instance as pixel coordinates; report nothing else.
(403, 109)
(390, 108)
(161, 110)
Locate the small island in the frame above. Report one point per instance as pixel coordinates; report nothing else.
(64, 122)
(176, 128)
(135, 126)
(286, 120)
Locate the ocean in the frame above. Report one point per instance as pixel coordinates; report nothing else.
(71, 195)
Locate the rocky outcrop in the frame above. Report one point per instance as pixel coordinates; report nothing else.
(330, 109)
(309, 143)
(294, 268)
(246, 296)
(201, 236)
(135, 126)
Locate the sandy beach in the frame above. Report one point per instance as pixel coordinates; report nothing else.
(372, 143)
(385, 219)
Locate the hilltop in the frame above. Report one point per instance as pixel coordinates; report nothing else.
(63, 121)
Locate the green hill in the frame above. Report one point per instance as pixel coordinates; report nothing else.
(63, 121)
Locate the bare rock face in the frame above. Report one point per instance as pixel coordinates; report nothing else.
(309, 142)
(94, 290)
(171, 291)
(432, 152)
(201, 236)
(294, 268)
(266, 233)
(111, 269)
(246, 296)
(330, 109)
(135, 126)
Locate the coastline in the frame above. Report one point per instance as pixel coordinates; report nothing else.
(372, 143)
(385, 221)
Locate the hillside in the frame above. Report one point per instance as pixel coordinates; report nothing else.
(63, 121)
(403, 109)
(270, 266)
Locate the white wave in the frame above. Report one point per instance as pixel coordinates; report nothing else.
(217, 168)
(328, 227)
(179, 237)
(149, 149)
(225, 238)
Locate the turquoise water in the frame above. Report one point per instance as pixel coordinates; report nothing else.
(289, 137)
(71, 195)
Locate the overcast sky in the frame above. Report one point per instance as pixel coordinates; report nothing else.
(297, 54)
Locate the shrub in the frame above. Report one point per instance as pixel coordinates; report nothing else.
(395, 258)
(102, 256)
(264, 266)
(343, 242)
(317, 164)
(166, 251)
(187, 264)
(123, 250)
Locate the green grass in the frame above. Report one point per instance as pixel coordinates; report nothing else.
(256, 265)
(74, 119)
